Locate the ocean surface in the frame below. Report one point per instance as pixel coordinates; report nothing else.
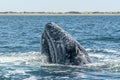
(20, 57)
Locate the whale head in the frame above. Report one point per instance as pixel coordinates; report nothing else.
(61, 48)
(54, 31)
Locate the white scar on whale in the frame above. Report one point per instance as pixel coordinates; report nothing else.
(59, 47)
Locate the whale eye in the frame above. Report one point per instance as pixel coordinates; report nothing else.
(83, 62)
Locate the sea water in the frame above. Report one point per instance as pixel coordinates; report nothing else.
(20, 57)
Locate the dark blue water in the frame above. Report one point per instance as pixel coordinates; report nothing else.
(20, 57)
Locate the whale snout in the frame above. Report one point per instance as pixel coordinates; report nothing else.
(52, 27)
(53, 30)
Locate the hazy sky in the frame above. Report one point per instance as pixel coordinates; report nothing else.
(60, 5)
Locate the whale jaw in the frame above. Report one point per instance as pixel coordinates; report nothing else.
(61, 48)
(52, 46)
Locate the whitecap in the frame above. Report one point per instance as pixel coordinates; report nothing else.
(110, 50)
(28, 58)
(31, 78)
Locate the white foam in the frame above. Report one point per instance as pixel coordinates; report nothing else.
(31, 58)
(78, 74)
(31, 78)
(110, 50)
(97, 55)
(16, 72)
(88, 49)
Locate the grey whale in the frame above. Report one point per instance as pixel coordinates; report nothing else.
(61, 48)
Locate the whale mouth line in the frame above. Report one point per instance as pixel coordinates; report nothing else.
(52, 49)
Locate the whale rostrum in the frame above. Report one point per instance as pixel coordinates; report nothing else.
(61, 48)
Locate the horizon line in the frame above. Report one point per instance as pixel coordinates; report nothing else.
(59, 11)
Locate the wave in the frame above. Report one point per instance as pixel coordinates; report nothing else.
(21, 66)
(108, 62)
(106, 59)
(31, 78)
(28, 58)
(33, 66)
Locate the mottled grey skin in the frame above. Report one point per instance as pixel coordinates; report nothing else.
(61, 48)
